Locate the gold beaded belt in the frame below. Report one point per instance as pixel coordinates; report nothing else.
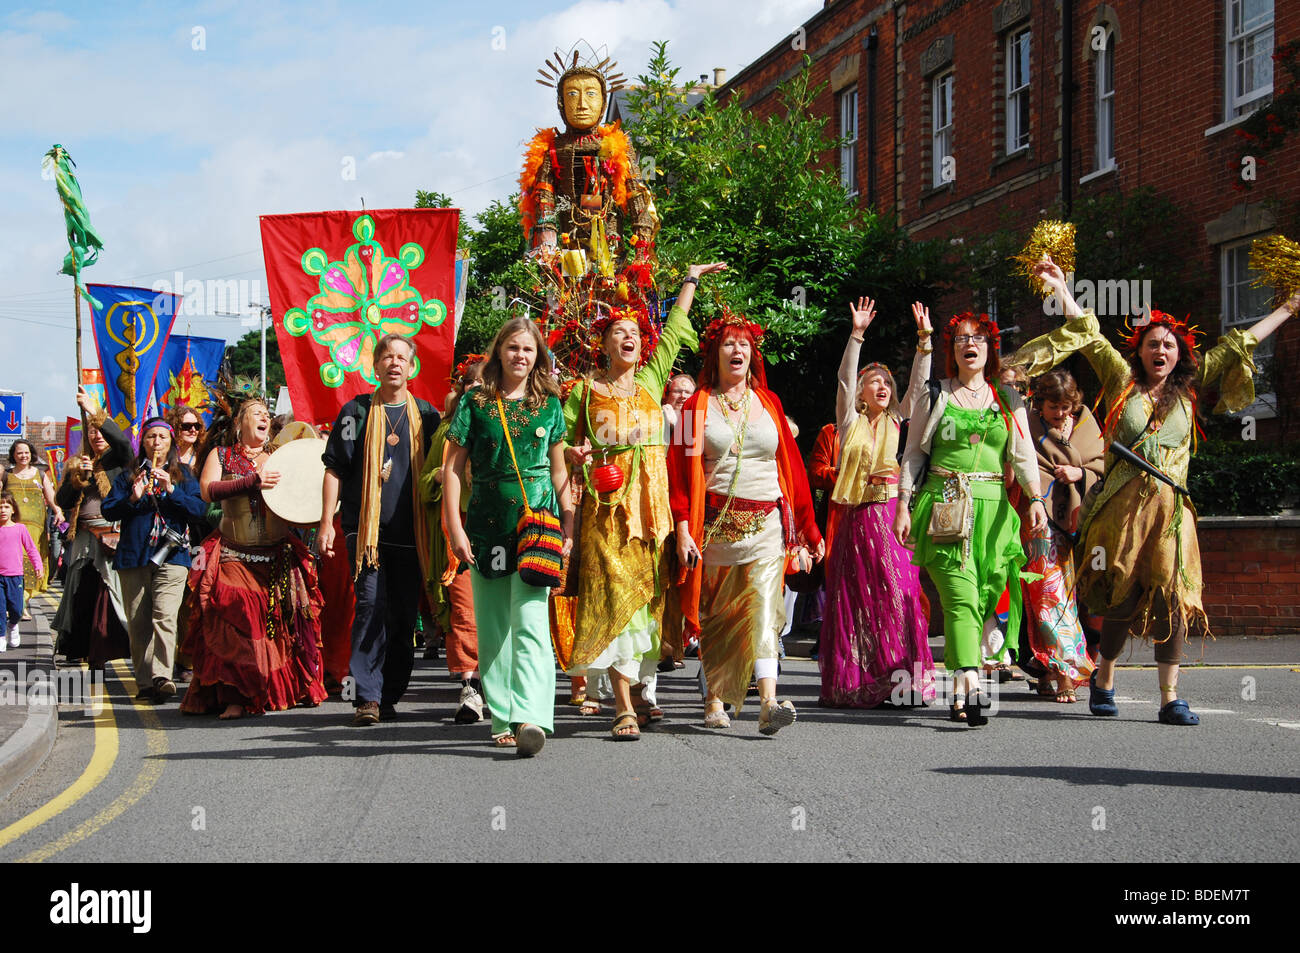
(742, 519)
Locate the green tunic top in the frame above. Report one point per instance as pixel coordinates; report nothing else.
(954, 451)
(495, 504)
(1229, 364)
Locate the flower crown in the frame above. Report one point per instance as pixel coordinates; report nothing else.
(463, 367)
(728, 320)
(1180, 328)
(874, 366)
(977, 319)
(632, 312)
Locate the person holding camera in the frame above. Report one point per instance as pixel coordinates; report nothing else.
(155, 499)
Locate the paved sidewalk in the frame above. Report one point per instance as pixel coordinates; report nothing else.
(28, 719)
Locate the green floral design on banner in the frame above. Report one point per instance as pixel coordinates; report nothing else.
(363, 296)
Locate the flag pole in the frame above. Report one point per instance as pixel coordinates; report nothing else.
(76, 298)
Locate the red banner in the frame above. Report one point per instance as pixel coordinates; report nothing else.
(339, 281)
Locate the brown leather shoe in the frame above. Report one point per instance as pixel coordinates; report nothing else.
(367, 714)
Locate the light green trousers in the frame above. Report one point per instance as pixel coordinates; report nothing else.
(515, 659)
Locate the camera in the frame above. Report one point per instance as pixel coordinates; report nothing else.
(171, 541)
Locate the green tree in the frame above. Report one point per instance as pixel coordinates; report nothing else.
(755, 193)
(245, 359)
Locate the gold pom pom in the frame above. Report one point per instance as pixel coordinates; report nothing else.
(1052, 238)
(1277, 261)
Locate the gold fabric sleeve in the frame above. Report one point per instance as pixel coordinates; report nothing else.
(1231, 365)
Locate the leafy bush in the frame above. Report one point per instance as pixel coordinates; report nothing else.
(1226, 480)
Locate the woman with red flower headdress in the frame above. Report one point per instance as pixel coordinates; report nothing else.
(616, 423)
(740, 498)
(965, 531)
(876, 622)
(1148, 581)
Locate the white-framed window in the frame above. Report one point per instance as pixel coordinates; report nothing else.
(1249, 67)
(1104, 65)
(943, 168)
(849, 134)
(1244, 305)
(1017, 104)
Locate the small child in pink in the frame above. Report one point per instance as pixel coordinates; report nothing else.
(14, 539)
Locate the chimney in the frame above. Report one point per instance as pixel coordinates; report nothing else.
(719, 76)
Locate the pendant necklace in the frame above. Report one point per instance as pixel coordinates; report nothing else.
(392, 440)
(742, 405)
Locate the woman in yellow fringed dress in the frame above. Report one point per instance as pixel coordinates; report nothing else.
(1139, 562)
(615, 420)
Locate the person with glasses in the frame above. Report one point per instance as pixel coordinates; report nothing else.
(190, 434)
(964, 529)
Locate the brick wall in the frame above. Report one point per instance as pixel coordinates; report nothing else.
(1251, 572)
(1169, 67)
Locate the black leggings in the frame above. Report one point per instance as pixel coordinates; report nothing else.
(1115, 630)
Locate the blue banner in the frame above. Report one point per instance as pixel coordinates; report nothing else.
(187, 373)
(131, 330)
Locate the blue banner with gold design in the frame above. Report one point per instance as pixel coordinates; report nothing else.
(187, 373)
(131, 330)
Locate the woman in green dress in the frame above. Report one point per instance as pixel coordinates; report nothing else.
(516, 664)
(1147, 581)
(973, 428)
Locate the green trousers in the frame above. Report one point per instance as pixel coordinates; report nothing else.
(515, 659)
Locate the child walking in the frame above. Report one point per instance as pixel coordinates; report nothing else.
(14, 540)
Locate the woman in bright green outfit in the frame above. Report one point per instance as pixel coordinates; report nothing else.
(973, 428)
(516, 663)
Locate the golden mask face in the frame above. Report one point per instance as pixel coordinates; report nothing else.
(583, 101)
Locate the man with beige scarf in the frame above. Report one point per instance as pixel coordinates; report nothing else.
(373, 460)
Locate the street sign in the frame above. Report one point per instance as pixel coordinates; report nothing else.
(13, 422)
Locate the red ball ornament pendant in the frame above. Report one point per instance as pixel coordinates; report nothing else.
(606, 478)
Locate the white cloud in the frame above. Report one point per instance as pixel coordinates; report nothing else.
(180, 150)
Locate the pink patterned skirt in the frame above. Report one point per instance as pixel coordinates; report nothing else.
(875, 630)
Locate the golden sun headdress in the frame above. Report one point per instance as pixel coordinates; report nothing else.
(597, 64)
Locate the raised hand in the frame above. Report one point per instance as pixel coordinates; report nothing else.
(695, 271)
(921, 314)
(1049, 272)
(862, 315)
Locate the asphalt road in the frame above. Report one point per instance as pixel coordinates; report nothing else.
(1041, 782)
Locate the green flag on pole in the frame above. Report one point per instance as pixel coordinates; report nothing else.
(84, 243)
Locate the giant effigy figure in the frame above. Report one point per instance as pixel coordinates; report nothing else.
(585, 211)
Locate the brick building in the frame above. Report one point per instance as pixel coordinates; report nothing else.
(968, 116)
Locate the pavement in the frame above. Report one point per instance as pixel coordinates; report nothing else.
(29, 721)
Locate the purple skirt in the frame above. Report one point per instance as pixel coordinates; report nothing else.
(875, 634)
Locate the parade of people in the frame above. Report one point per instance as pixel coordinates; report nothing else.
(754, 454)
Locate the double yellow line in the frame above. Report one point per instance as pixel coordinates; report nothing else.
(101, 763)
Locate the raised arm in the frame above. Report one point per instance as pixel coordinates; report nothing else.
(917, 388)
(677, 332)
(1266, 326)
(846, 395)
(1052, 276)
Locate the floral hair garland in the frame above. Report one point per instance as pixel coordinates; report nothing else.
(632, 312)
(463, 367)
(728, 320)
(980, 320)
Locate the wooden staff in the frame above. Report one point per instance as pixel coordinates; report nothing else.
(76, 299)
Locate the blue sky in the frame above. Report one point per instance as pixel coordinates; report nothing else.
(187, 121)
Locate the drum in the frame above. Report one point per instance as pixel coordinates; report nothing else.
(297, 497)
